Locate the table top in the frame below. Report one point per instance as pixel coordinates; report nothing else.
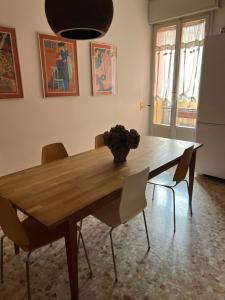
(78, 185)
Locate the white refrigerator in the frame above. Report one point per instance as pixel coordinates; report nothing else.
(211, 116)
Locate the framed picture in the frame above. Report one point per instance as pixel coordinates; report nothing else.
(59, 66)
(104, 69)
(10, 77)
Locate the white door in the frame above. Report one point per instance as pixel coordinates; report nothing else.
(178, 50)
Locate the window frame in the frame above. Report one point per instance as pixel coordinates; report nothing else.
(177, 22)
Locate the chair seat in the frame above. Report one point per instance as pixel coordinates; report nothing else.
(163, 179)
(107, 214)
(39, 235)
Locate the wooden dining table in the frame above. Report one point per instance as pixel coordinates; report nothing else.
(70, 189)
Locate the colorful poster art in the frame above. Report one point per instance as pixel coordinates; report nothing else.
(104, 69)
(59, 66)
(10, 77)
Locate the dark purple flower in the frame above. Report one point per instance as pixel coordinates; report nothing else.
(119, 136)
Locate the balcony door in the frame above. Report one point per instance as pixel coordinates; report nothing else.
(178, 50)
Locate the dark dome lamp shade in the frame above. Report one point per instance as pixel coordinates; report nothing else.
(79, 19)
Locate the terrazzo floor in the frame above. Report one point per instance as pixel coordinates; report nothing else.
(189, 265)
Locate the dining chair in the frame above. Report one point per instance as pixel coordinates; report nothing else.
(131, 203)
(53, 152)
(29, 235)
(50, 153)
(166, 179)
(99, 141)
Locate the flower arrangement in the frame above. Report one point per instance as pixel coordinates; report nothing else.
(120, 141)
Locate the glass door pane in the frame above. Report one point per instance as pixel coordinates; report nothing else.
(164, 53)
(191, 51)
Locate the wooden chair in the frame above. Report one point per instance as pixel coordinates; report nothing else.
(167, 180)
(29, 235)
(53, 152)
(131, 203)
(99, 141)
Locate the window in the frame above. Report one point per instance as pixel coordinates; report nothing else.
(178, 52)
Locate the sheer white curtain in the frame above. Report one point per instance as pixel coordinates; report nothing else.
(164, 71)
(193, 35)
(164, 63)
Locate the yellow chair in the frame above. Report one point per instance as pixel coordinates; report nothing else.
(29, 235)
(53, 152)
(131, 203)
(165, 179)
(99, 141)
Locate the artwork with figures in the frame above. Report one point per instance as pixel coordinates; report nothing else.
(104, 68)
(59, 66)
(10, 77)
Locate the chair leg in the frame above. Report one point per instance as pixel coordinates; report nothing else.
(153, 194)
(113, 255)
(190, 202)
(79, 236)
(174, 211)
(28, 276)
(2, 262)
(146, 230)
(86, 254)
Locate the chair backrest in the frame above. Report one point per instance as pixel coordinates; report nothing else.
(53, 152)
(99, 141)
(183, 165)
(133, 200)
(11, 225)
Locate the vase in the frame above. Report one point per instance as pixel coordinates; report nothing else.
(120, 154)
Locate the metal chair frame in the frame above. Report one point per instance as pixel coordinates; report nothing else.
(28, 264)
(174, 198)
(112, 246)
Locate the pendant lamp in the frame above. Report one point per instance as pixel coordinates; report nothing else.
(79, 19)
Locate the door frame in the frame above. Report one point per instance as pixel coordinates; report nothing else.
(171, 131)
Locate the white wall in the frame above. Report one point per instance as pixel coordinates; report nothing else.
(219, 18)
(160, 11)
(27, 124)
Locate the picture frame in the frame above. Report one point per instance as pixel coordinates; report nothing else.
(104, 69)
(59, 66)
(10, 75)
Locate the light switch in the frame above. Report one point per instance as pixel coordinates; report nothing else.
(141, 105)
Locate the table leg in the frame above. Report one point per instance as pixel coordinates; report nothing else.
(191, 178)
(72, 261)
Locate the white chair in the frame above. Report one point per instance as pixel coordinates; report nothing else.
(169, 181)
(57, 82)
(131, 203)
